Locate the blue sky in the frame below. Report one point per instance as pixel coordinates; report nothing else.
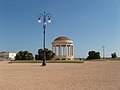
(89, 23)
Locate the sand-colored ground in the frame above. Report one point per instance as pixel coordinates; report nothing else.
(100, 75)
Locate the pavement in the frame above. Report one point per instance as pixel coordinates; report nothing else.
(95, 75)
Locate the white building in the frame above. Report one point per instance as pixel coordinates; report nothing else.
(7, 56)
(12, 56)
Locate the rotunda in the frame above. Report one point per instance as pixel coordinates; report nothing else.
(63, 48)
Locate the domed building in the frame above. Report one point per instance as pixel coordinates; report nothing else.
(63, 48)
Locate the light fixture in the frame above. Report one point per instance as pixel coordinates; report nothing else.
(49, 19)
(39, 20)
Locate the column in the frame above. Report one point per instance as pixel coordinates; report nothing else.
(55, 50)
(60, 52)
(71, 52)
(66, 52)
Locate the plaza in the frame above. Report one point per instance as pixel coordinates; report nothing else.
(91, 75)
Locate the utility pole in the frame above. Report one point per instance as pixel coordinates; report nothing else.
(103, 51)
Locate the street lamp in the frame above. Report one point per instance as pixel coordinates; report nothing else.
(46, 19)
(103, 51)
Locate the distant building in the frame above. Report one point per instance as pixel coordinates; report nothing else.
(7, 56)
(63, 48)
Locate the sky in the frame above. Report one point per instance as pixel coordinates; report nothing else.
(91, 24)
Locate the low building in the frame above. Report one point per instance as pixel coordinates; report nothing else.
(7, 56)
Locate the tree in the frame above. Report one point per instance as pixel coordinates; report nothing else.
(93, 55)
(113, 55)
(24, 55)
(49, 54)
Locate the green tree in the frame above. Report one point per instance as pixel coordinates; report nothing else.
(49, 54)
(113, 55)
(24, 55)
(93, 55)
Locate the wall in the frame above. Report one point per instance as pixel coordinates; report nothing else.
(12, 56)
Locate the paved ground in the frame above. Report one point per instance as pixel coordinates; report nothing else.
(100, 75)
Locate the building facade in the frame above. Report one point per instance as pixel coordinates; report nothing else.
(7, 56)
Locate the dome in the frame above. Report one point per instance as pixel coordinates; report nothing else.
(62, 40)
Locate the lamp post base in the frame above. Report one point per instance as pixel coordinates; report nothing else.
(43, 63)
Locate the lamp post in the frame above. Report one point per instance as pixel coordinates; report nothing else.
(45, 21)
(103, 51)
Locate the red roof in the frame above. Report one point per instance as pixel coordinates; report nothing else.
(62, 38)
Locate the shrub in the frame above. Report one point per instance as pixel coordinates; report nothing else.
(24, 55)
(93, 55)
(49, 54)
(113, 55)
